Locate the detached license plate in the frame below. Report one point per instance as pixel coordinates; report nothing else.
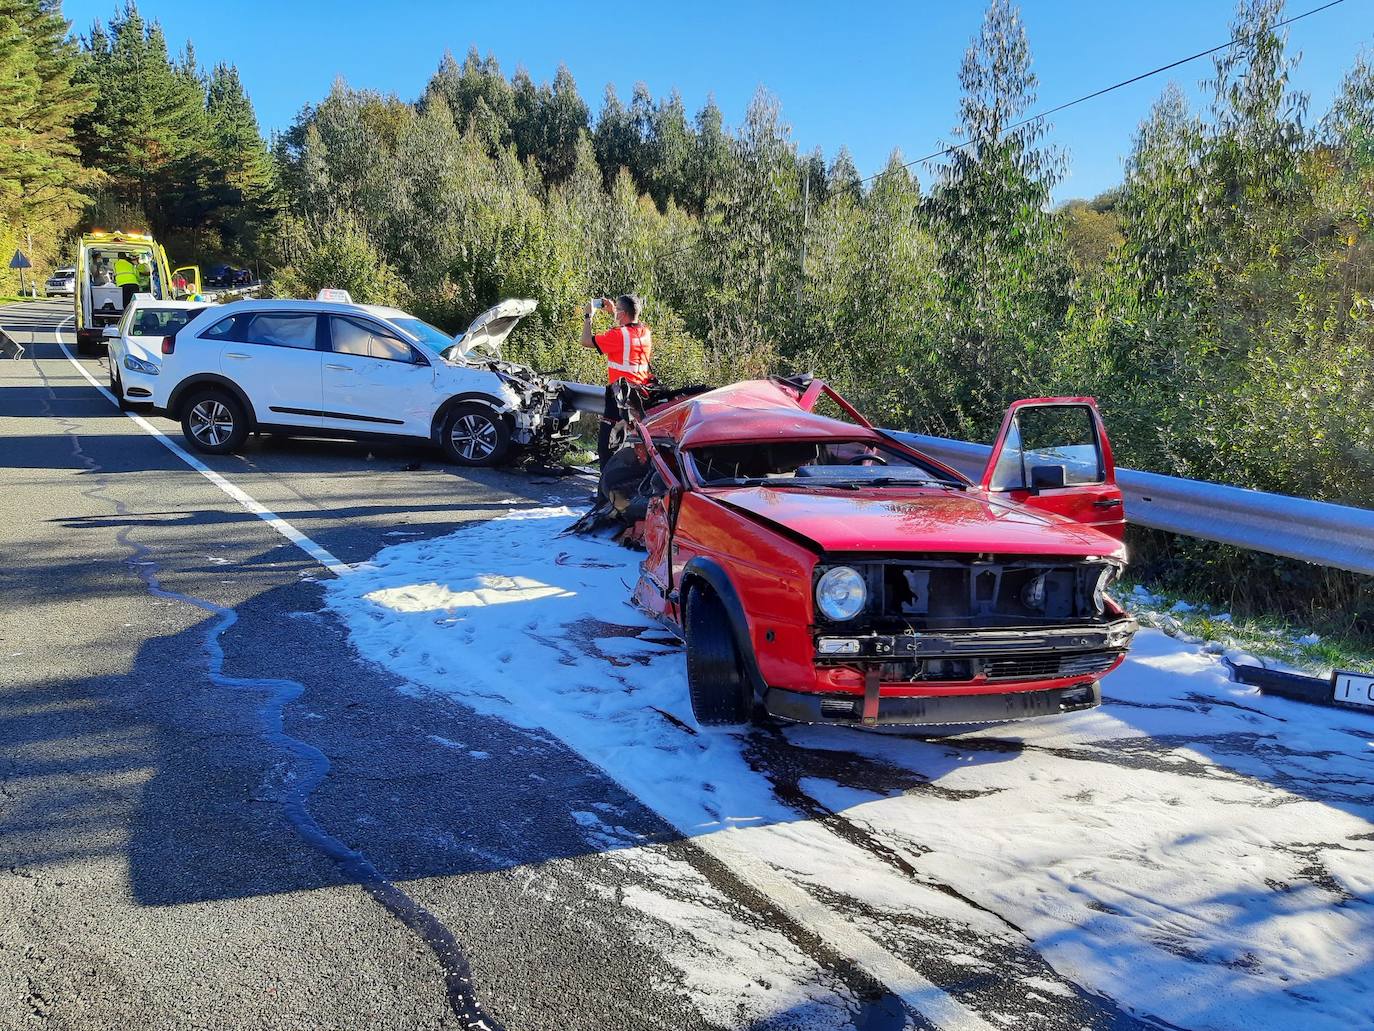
(1353, 689)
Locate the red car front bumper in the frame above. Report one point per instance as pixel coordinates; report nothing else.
(964, 676)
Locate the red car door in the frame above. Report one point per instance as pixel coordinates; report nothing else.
(1052, 454)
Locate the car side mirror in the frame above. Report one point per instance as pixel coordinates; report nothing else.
(110, 332)
(1047, 477)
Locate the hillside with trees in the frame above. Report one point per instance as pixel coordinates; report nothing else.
(1218, 303)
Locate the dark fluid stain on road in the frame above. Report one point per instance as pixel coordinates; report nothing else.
(295, 795)
(461, 993)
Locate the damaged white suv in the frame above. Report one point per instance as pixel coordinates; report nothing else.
(332, 368)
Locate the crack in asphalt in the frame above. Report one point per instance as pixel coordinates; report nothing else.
(294, 796)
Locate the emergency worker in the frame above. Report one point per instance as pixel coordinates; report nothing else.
(628, 346)
(126, 276)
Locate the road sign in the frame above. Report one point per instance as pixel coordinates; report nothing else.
(20, 260)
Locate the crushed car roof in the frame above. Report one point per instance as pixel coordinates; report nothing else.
(758, 409)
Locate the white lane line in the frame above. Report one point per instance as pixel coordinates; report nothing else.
(316, 551)
(917, 993)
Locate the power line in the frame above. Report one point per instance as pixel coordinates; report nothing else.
(1114, 86)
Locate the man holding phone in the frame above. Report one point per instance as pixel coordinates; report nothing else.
(628, 347)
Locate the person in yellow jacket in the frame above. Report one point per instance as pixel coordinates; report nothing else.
(126, 276)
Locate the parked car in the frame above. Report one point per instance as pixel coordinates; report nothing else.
(240, 277)
(331, 368)
(62, 283)
(830, 572)
(220, 275)
(135, 345)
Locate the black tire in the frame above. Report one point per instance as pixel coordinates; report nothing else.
(474, 435)
(720, 691)
(84, 346)
(117, 389)
(214, 422)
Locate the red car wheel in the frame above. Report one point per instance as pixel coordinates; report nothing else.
(715, 675)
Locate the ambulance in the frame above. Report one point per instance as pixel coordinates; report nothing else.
(99, 300)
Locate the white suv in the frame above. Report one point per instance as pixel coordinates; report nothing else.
(331, 368)
(135, 345)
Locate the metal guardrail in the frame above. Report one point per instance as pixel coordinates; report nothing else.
(1327, 534)
(585, 397)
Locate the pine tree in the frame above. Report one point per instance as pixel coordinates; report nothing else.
(243, 170)
(147, 125)
(40, 100)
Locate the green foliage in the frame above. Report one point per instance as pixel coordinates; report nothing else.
(41, 177)
(178, 152)
(1000, 260)
(334, 254)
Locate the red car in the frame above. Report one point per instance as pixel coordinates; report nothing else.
(835, 574)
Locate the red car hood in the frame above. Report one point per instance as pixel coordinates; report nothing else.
(886, 519)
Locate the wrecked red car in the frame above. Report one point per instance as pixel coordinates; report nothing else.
(832, 573)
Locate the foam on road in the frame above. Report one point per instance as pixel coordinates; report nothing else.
(1194, 851)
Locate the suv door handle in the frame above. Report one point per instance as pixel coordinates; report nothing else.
(340, 368)
(1107, 503)
(236, 354)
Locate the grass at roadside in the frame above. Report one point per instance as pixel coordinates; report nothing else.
(17, 298)
(1266, 637)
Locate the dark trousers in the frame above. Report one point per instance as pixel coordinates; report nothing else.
(609, 418)
(129, 290)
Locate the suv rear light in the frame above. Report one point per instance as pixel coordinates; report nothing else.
(169, 345)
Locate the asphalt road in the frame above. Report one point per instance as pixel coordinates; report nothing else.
(214, 814)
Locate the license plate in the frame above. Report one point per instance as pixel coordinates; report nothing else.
(1353, 689)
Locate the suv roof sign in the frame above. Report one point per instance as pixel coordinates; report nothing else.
(337, 296)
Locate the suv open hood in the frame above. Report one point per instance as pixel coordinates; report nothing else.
(924, 520)
(490, 328)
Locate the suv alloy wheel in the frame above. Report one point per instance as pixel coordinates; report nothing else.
(213, 421)
(475, 435)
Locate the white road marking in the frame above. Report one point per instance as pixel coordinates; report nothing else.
(316, 551)
(919, 994)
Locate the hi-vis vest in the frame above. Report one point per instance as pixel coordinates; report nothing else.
(124, 273)
(631, 360)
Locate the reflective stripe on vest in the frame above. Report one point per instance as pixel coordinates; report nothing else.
(634, 358)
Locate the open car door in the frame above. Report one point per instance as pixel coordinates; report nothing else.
(1052, 454)
(191, 273)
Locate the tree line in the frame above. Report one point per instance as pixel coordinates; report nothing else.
(1218, 302)
(112, 130)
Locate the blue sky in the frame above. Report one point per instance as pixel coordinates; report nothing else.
(874, 76)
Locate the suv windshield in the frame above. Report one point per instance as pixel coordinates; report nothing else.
(807, 464)
(431, 338)
(161, 322)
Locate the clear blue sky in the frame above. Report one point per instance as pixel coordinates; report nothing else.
(873, 76)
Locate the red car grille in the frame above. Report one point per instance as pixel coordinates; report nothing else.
(1034, 667)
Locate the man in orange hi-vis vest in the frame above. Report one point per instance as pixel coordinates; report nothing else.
(628, 347)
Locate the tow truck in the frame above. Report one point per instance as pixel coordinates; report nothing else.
(99, 301)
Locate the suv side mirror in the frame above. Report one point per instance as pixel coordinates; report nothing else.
(1047, 477)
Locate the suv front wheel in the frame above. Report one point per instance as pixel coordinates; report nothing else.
(214, 422)
(475, 435)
